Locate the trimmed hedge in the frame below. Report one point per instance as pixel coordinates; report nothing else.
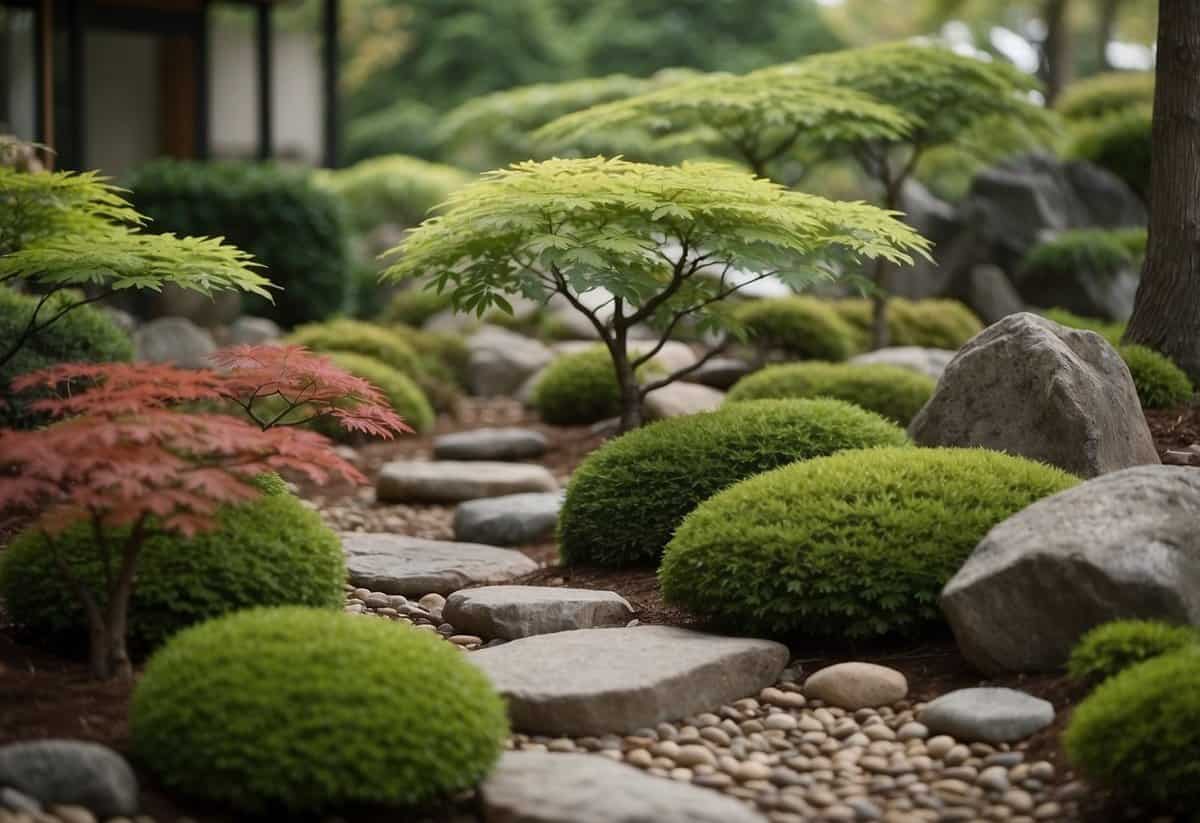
(625, 501)
(802, 327)
(1112, 648)
(933, 324)
(84, 334)
(296, 229)
(1139, 733)
(580, 388)
(402, 392)
(358, 337)
(896, 393)
(394, 189)
(1160, 383)
(292, 710)
(855, 545)
(272, 550)
(1107, 93)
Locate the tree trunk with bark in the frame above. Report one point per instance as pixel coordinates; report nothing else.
(1056, 48)
(1166, 312)
(1105, 28)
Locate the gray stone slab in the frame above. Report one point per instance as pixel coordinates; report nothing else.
(507, 521)
(596, 681)
(452, 481)
(987, 715)
(71, 773)
(512, 612)
(414, 567)
(490, 444)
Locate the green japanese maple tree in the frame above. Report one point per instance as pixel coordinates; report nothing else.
(668, 243)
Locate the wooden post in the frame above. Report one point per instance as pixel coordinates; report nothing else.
(44, 80)
(76, 145)
(265, 84)
(331, 55)
(201, 70)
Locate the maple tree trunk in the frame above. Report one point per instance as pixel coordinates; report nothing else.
(1056, 49)
(1166, 310)
(1104, 31)
(631, 391)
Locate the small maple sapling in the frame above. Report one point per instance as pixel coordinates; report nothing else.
(132, 456)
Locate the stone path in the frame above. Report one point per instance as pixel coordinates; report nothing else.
(453, 481)
(513, 612)
(411, 566)
(511, 520)
(491, 444)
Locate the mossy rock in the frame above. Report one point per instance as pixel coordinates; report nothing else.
(294, 711)
(894, 392)
(855, 545)
(272, 550)
(1111, 648)
(801, 327)
(627, 498)
(1138, 733)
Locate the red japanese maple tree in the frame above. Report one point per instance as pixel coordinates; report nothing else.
(134, 453)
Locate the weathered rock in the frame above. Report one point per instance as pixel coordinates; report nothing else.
(720, 372)
(672, 356)
(452, 481)
(71, 772)
(931, 362)
(490, 444)
(251, 331)
(511, 612)
(537, 787)
(601, 681)
(174, 340)
(511, 520)
(205, 310)
(987, 715)
(1124, 545)
(1032, 388)
(501, 360)
(412, 566)
(1085, 291)
(990, 293)
(678, 399)
(856, 685)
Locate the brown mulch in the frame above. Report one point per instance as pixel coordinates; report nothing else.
(1174, 429)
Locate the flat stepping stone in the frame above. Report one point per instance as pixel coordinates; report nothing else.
(720, 373)
(600, 681)
(537, 787)
(491, 444)
(987, 715)
(510, 520)
(453, 481)
(512, 612)
(856, 686)
(414, 567)
(679, 399)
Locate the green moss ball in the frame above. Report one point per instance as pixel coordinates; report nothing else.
(935, 324)
(301, 710)
(272, 550)
(896, 393)
(580, 388)
(625, 501)
(1139, 733)
(1113, 647)
(415, 306)
(404, 395)
(803, 327)
(1160, 383)
(357, 337)
(855, 545)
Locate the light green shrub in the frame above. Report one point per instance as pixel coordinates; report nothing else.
(626, 499)
(935, 324)
(414, 306)
(290, 711)
(896, 393)
(1110, 331)
(394, 189)
(855, 545)
(1160, 383)
(358, 337)
(580, 388)
(1107, 93)
(1113, 647)
(803, 327)
(402, 392)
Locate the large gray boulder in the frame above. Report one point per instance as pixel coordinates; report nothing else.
(174, 340)
(452, 481)
(1124, 545)
(71, 773)
(414, 567)
(987, 715)
(1087, 291)
(512, 612)
(501, 360)
(539, 787)
(511, 520)
(604, 681)
(1030, 387)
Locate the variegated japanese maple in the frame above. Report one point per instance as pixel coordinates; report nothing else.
(132, 454)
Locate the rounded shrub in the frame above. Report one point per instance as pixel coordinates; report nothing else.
(1095, 250)
(1106, 93)
(84, 334)
(445, 356)
(1138, 733)
(394, 189)
(402, 392)
(358, 337)
(579, 388)
(404, 127)
(625, 501)
(300, 710)
(1113, 647)
(414, 306)
(1160, 383)
(858, 544)
(1121, 142)
(896, 393)
(1110, 331)
(272, 550)
(296, 229)
(802, 327)
(934, 324)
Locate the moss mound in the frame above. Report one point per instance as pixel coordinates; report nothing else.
(299, 710)
(414, 306)
(404, 395)
(934, 324)
(1112, 648)
(1160, 383)
(625, 501)
(580, 388)
(357, 337)
(1139, 733)
(802, 327)
(896, 393)
(858, 544)
(269, 551)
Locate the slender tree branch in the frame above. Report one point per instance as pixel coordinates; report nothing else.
(685, 371)
(33, 327)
